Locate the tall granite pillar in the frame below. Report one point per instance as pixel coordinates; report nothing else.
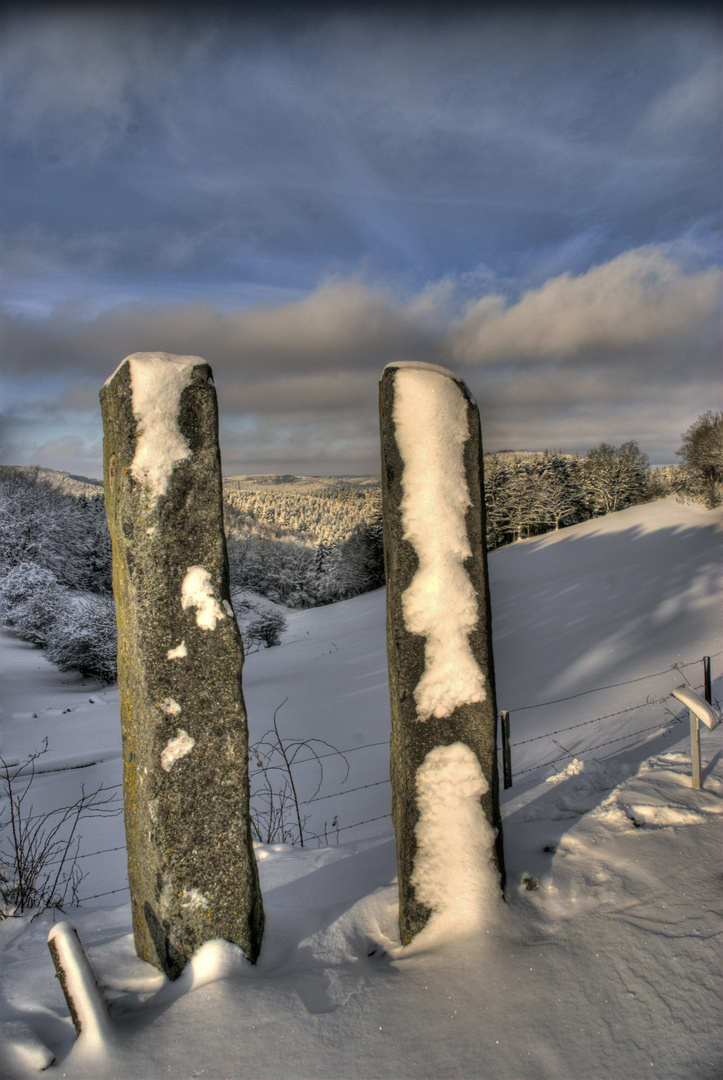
(439, 647)
(191, 864)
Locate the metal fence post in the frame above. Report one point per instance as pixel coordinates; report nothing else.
(506, 751)
(706, 680)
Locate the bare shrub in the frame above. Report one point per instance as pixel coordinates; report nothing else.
(39, 852)
(276, 809)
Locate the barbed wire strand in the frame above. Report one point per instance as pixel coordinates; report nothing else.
(103, 809)
(87, 855)
(356, 824)
(337, 794)
(595, 720)
(613, 686)
(581, 753)
(110, 892)
(332, 753)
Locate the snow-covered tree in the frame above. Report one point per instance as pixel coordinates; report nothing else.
(558, 497)
(615, 477)
(64, 533)
(702, 454)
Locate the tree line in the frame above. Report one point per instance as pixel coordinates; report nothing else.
(527, 494)
(300, 546)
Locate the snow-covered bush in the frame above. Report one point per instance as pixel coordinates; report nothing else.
(31, 601)
(264, 631)
(84, 638)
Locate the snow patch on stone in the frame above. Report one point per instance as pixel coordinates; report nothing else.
(197, 592)
(454, 874)
(420, 365)
(157, 382)
(170, 707)
(177, 748)
(178, 653)
(431, 427)
(194, 899)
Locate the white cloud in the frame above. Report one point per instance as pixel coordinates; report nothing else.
(641, 300)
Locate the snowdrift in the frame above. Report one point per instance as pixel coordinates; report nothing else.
(602, 962)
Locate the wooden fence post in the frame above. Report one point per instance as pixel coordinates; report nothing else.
(695, 748)
(699, 710)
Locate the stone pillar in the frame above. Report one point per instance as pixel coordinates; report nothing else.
(439, 645)
(191, 865)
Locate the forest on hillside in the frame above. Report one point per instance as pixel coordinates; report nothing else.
(305, 543)
(298, 541)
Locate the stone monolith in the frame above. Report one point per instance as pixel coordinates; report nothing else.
(445, 802)
(191, 866)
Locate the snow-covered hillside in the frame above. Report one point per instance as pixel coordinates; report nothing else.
(603, 961)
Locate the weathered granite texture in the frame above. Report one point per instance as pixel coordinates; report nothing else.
(472, 724)
(191, 866)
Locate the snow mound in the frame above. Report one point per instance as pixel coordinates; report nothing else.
(21, 1051)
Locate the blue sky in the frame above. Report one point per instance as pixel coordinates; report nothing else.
(528, 195)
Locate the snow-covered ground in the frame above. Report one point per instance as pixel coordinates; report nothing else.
(602, 963)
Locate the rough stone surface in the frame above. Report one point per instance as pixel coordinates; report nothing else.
(472, 724)
(191, 866)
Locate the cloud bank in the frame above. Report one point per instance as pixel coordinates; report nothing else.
(297, 381)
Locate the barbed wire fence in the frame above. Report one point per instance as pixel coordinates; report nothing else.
(630, 736)
(661, 725)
